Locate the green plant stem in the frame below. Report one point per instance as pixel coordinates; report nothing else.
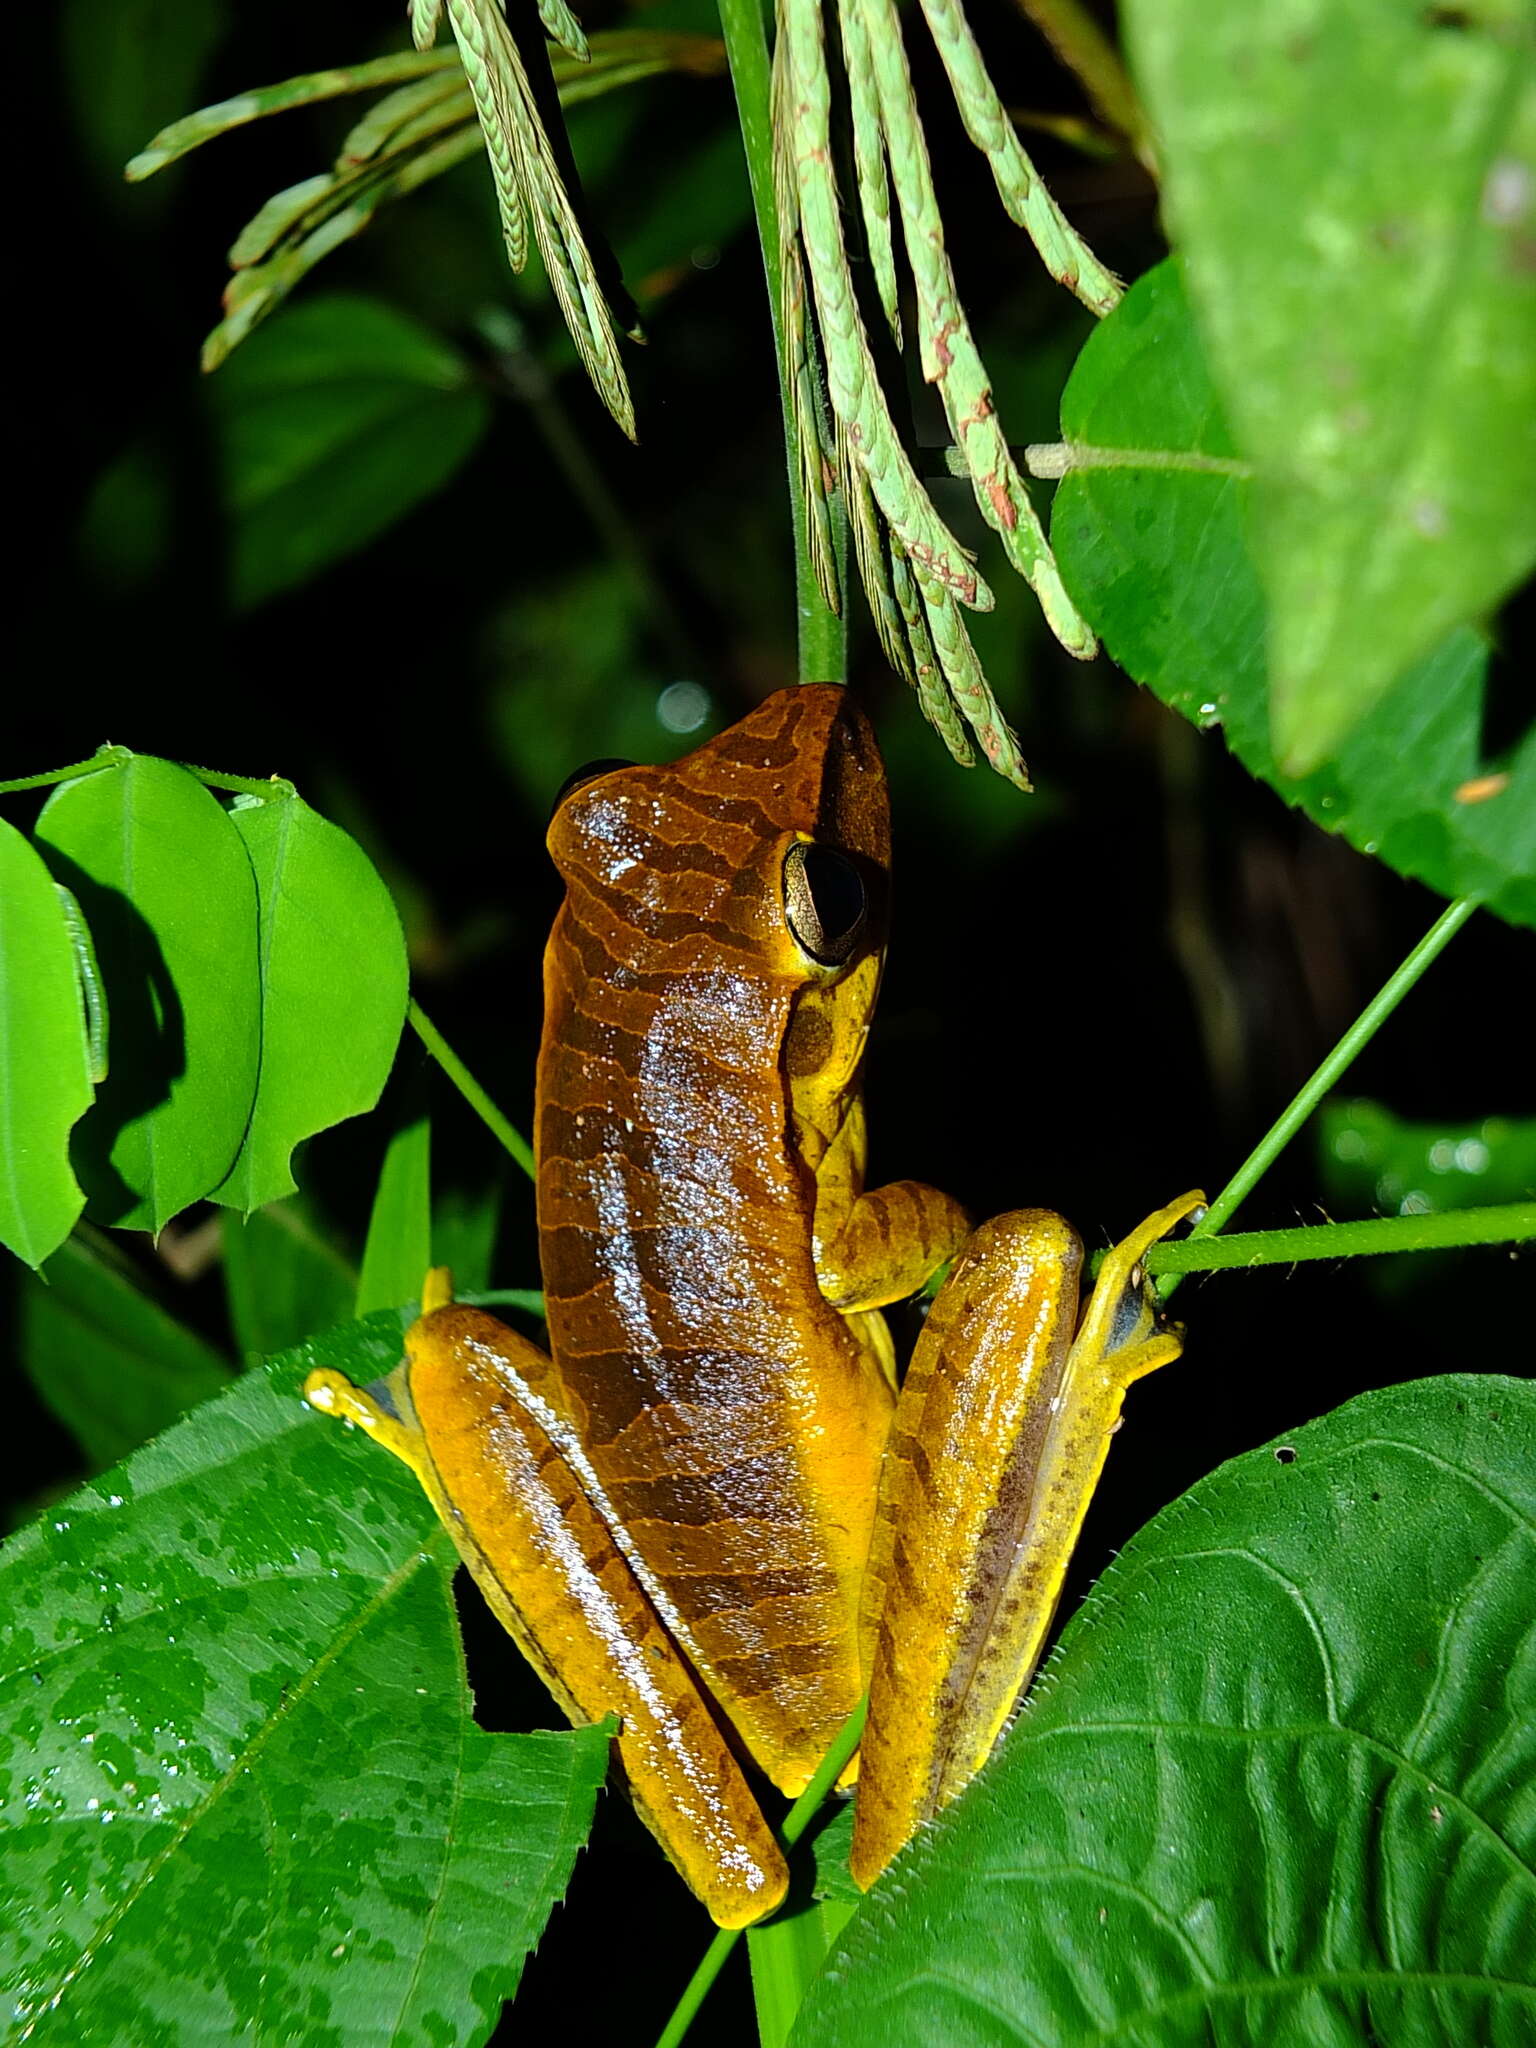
(821, 635)
(500, 1126)
(1507, 1223)
(108, 757)
(1355, 1039)
(269, 788)
(796, 1821)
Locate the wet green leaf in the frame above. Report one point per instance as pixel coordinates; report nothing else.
(1354, 191)
(243, 1791)
(332, 423)
(333, 989)
(1150, 534)
(1279, 1784)
(283, 1278)
(45, 1061)
(166, 889)
(106, 1358)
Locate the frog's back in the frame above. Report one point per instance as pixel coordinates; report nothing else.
(726, 1408)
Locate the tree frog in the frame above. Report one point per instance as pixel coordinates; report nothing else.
(711, 1510)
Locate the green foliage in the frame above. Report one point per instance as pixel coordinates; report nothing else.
(1272, 1783)
(330, 427)
(1352, 189)
(399, 1247)
(1150, 525)
(109, 1360)
(333, 989)
(1276, 1783)
(1371, 1159)
(444, 105)
(283, 1277)
(240, 1772)
(45, 1057)
(254, 972)
(167, 892)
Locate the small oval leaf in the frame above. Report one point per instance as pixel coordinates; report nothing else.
(45, 1058)
(333, 984)
(166, 889)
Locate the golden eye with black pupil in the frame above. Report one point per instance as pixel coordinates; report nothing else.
(824, 901)
(588, 774)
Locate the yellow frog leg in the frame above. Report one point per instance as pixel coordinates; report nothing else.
(506, 1478)
(999, 1439)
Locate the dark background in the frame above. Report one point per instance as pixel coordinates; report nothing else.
(1096, 996)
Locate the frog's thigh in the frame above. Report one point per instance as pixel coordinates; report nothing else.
(547, 1563)
(890, 1242)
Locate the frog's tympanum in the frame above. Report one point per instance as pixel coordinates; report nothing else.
(709, 1511)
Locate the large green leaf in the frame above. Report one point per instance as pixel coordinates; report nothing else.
(45, 1063)
(333, 989)
(332, 422)
(166, 889)
(113, 1365)
(1150, 532)
(1278, 1788)
(1353, 189)
(244, 1797)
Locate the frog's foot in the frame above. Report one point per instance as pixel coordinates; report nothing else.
(332, 1393)
(1122, 1326)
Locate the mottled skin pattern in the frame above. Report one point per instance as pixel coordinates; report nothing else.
(736, 1419)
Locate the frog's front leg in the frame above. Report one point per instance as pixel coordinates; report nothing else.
(467, 1412)
(878, 1245)
(999, 1438)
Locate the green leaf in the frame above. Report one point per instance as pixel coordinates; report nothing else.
(1353, 189)
(399, 1247)
(333, 989)
(45, 1059)
(1149, 529)
(244, 1793)
(1278, 1786)
(113, 1365)
(283, 1279)
(1374, 1161)
(130, 62)
(332, 423)
(166, 889)
(464, 1225)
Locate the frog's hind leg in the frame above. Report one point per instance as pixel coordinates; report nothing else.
(999, 1438)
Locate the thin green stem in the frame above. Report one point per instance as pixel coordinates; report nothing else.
(796, 1821)
(822, 635)
(1296, 1112)
(500, 1126)
(108, 757)
(1505, 1223)
(269, 788)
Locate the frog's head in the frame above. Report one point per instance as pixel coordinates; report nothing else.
(768, 846)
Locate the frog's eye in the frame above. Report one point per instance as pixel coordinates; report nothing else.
(824, 900)
(588, 774)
